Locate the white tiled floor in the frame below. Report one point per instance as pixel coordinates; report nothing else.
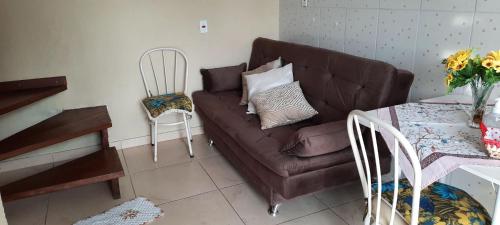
(205, 190)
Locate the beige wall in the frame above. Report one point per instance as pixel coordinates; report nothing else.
(97, 43)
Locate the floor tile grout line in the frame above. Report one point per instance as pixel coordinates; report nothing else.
(157, 166)
(233, 185)
(47, 210)
(160, 167)
(343, 204)
(232, 207)
(129, 174)
(183, 198)
(312, 213)
(320, 201)
(219, 190)
(342, 218)
(331, 208)
(125, 161)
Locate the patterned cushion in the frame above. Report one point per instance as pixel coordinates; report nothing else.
(282, 105)
(440, 204)
(157, 105)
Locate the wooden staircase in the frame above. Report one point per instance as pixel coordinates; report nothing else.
(103, 165)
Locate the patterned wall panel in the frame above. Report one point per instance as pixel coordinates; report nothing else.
(488, 6)
(486, 37)
(374, 4)
(288, 19)
(361, 32)
(486, 34)
(456, 5)
(440, 34)
(400, 4)
(332, 32)
(397, 36)
(329, 3)
(300, 24)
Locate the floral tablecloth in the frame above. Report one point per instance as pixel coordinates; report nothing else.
(440, 135)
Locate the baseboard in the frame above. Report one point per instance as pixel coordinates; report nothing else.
(58, 157)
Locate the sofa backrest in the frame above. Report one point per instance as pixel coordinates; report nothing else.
(335, 83)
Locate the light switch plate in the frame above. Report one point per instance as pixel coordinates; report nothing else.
(203, 26)
(305, 3)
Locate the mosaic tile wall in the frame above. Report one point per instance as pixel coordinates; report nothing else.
(410, 34)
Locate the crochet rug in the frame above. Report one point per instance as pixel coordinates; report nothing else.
(136, 212)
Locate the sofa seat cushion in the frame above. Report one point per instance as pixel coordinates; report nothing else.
(224, 110)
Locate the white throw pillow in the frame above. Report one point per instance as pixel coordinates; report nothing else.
(267, 80)
(264, 68)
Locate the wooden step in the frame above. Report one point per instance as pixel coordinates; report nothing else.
(61, 127)
(103, 165)
(16, 94)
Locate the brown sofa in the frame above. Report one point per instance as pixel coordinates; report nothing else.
(334, 83)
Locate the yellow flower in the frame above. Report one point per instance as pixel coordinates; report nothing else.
(492, 60)
(448, 79)
(497, 66)
(457, 65)
(495, 55)
(488, 63)
(459, 60)
(464, 55)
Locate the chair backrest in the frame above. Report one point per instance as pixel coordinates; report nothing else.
(166, 67)
(364, 162)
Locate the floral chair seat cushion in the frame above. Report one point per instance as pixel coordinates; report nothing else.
(157, 105)
(440, 204)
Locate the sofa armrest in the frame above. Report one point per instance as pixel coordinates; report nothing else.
(401, 88)
(223, 79)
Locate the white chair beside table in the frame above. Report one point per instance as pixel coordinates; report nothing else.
(439, 204)
(166, 97)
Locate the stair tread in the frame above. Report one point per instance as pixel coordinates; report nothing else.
(100, 166)
(66, 125)
(16, 94)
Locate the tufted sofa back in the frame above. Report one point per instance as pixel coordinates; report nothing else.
(335, 83)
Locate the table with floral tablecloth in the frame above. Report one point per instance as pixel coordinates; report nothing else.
(440, 135)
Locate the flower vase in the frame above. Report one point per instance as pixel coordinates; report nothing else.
(481, 92)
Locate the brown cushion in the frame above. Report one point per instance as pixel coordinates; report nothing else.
(318, 140)
(262, 69)
(223, 79)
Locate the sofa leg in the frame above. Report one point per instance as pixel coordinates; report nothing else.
(273, 210)
(210, 142)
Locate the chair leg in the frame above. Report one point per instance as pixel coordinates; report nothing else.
(189, 128)
(188, 136)
(151, 124)
(273, 210)
(155, 143)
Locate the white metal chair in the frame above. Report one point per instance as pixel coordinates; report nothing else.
(167, 96)
(439, 203)
(365, 170)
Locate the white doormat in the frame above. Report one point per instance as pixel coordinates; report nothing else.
(139, 211)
